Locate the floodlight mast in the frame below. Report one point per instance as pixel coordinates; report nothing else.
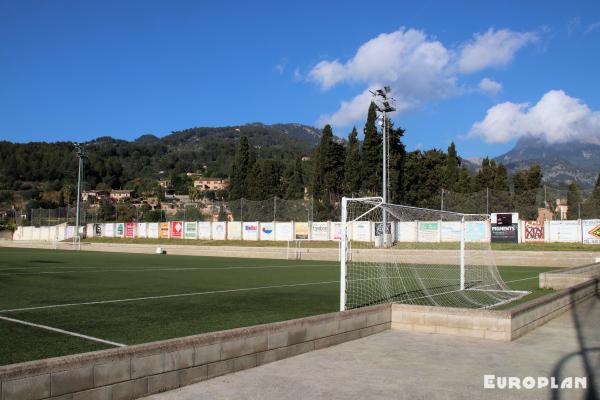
(80, 155)
(384, 104)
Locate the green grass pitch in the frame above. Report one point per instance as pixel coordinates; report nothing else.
(138, 298)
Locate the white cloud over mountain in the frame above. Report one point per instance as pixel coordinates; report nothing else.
(557, 118)
(419, 68)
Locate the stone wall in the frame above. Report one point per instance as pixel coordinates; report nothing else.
(135, 371)
(503, 325)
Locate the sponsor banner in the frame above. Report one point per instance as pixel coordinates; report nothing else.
(476, 231)
(109, 230)
(130, 229)
(563, 231)
(190, 230)
(428, 231)
(451, 231)
(335, 230)
(70, 232)
(234, 230)
(176, 229)
(319, 231)
(89, 231)
(120, 229)
(284, 231)
(407, 231)
(219, 230)
(250, 231)
(590, 231)
(204, 230)
(361, 231)
(534, 231)
(505, 227)
(142, 230)
(267, 231)
(164, 230)
(301, 230)
(153, 230)
(97, 230)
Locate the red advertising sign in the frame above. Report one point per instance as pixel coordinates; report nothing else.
(129, 229)
(176, 229)
(534, 231)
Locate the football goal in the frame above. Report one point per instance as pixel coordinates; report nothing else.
(399, 254)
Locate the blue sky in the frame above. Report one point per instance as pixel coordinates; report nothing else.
(479, 73)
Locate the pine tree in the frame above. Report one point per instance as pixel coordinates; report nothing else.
(371, 155)
(352, 169)
(573, 201)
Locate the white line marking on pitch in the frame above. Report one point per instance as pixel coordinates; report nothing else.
(166, 296)
(83, 271)
(49, 328)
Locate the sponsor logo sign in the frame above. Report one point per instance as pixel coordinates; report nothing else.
(534, 231)
(250, 230)
(301, 230)
(129, 229)
(176, 229)
(505, 227)
(190, 230)
(590, 230)
(319, 231)
(120, 231)
(267, 231)
(164, 230)
(98, 230)
(379, 228)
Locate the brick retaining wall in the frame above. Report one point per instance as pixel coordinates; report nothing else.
(135, 371)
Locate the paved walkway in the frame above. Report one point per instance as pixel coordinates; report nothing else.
(396, 364)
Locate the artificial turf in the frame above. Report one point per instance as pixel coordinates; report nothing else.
(207, 296)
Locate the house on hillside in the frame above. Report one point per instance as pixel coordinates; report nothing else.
(121, 195)
(211, 183)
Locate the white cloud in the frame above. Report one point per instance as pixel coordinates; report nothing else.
(418, 67)
(593, 27)
(279, 68)
(355, 110)
(297, 75)
(490, 86)
(557, 118)
(573, 25)
(492, 49)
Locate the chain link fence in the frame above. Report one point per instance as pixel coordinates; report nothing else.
(276, 209)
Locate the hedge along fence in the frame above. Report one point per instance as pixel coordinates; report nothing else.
(135, 371)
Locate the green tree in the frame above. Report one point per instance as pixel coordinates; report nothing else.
(265, 179)
(500, 198)
(526, 185)
(452, 168)
(241, 166)
(371, 156)
(573, 201)
(397, 152)
(352, 167)
(591, 206)
(294, 181)
(328, 175)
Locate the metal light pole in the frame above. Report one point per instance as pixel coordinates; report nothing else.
(80, 155)
(384, 104)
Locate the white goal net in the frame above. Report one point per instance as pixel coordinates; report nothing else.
(422, 257)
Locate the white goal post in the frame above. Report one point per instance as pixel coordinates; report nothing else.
(448, 270)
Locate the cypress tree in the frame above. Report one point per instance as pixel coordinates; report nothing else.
(242, 165)
(352, 169)
(573, 201)
(294, 181)
(452, 167)
(591, 207)
(396, 163)
(371, 155)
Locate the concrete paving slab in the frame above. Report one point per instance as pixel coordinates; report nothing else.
(395, 364)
